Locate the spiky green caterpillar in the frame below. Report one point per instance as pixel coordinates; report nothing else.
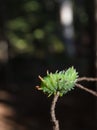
(61, 82)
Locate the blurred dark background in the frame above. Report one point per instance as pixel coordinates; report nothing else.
(41, 35)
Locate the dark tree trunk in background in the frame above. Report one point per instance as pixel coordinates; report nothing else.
(3, 44)
(7, 112)
(96, 33)
(5, 67)
(95, 40)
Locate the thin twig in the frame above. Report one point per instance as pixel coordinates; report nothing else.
(86, 79)
(86, 89)
(53, 116)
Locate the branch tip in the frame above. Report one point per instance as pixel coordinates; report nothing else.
(38, 88)
(40, 78)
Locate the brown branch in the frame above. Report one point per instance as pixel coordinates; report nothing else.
(86, 79)
(53, 116)
(86, 89)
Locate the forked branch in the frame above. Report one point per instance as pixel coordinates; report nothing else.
(48, 85)
(89, 79)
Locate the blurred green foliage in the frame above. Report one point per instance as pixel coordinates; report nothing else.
(32, 25)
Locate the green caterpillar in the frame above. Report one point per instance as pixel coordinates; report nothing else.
(61, 82)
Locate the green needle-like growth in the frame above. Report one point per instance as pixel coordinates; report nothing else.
(61, 82)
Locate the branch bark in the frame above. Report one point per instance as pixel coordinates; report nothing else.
(53, 116)
(86, 89)
(86, 79)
